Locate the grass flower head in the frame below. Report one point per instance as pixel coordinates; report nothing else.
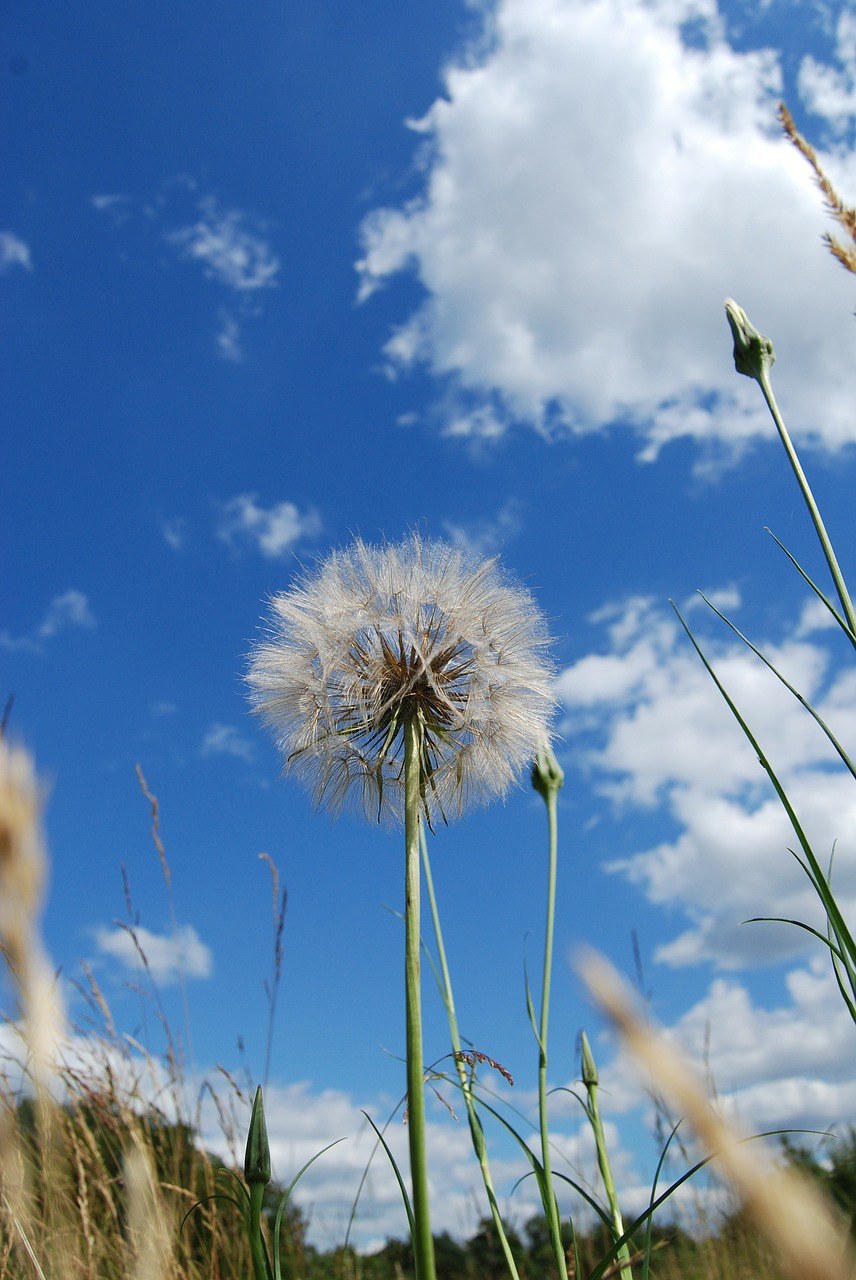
(376, 637)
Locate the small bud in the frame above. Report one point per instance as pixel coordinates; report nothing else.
(257, 1156)
(753, 353)
(589, 1065)
(547, 774)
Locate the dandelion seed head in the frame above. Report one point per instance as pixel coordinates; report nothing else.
(375, 635)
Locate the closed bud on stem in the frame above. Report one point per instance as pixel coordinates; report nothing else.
(753, 353)
(548, 777)
(257, 1155)
(589, 1066)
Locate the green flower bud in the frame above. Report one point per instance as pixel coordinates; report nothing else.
(589, 1066)
(753, 353)
(257, 1156)
(547, 774)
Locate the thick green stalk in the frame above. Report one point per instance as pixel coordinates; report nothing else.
(423, 1244)
(257, 1248)
(547, 779)
(476, 1130)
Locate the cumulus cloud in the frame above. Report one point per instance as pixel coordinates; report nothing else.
(273, 530)
(655, 734)
(594, 187)
(71, 609)
(168, 957)
(14, 253)
(226, 740)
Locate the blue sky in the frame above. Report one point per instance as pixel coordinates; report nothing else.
(276, 275)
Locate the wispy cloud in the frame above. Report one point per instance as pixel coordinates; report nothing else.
(229, 338)
(273, 530)
(485, 537)
(229, 246)
(168, 957)
(226, 740)
(174, 530)
(71, 609)
(14, 252)
(546, 302)
(118, 207)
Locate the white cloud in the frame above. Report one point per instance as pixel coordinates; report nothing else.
(594, 189)
(229, 246)
(653, 731)
(161, 709)
(14, 253)
(174, 532)
(71, 609)
(229, 338)
(167, 956)
(118, 207)
(226, 740)
(271, 530)
(485, 537)
(68, 610)
(831, 91)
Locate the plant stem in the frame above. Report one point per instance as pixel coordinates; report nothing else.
(257, 1248)
(590, 1081)
(825, 542)
(423, 1244)
(547, 779)
(754, 357)
(476, 1130)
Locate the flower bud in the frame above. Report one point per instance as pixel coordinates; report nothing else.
(547, 774)
(257, 1155)
(753, 353)
(589, 1066)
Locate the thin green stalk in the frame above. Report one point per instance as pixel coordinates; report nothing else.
(590, 1080)
(423, 1244)
(753, 357)
(547, 779)
(257, 1176)
(476, 1130)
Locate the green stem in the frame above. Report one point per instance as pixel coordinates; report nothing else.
(423, 1244)
(258, 1254)
(547, 778)
(555, 1225)
(590, 1081)
(476, 1130)
(763, 378)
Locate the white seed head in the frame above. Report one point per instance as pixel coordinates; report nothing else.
(376, 635)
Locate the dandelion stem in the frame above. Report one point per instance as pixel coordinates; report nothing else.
(423, 1244)
(466, 1083)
